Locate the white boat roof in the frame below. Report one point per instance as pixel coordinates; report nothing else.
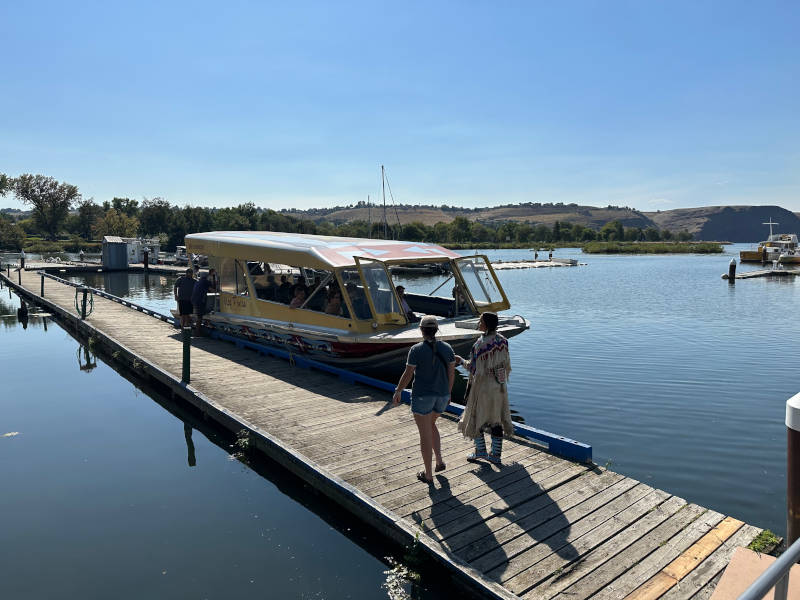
(310, 250)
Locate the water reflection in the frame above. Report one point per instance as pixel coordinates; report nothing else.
(87, 360)
(187, 434)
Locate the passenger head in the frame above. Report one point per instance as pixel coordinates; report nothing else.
(429, 326)
(489, 320)
(190, 272)
(400, 290)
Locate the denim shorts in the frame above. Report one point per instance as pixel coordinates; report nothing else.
(424, 405)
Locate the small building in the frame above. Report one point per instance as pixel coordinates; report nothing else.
(137, 246)
(115, 253)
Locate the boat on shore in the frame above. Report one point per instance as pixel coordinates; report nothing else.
(333, 299)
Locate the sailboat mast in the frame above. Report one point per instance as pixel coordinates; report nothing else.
(369, 219)
(383, 187)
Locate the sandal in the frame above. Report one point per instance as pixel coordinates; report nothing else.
(495, 460)
(423, 479)
(440, 467)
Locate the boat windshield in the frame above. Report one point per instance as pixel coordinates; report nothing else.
(481, 283)
(381, 294)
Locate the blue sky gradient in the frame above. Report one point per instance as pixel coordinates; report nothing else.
(653, 105)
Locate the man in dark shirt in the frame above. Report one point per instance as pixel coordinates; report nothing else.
(203, 285)
(184, 286)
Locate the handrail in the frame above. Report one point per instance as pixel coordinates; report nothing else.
(142, 309)
(777, 573)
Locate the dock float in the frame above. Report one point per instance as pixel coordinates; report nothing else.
(540, 526)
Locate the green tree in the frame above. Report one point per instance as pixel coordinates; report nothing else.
(155, 216)
(126, 206)
(51, 201)
(5, 184)
(460, 230)
(116, 223)
(88, 215)
(12, 236)
(651, 234)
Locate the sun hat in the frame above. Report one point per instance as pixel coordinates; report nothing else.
(429, 322)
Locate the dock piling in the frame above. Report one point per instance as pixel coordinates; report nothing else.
(41, 293)
(83, 303)
(792, 469)
(186, 335)
(732, 271)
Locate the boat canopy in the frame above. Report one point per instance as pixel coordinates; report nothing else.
(315, 251)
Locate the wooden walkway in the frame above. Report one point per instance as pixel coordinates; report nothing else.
(537, 527)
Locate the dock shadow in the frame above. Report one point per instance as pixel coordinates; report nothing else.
(489, 535)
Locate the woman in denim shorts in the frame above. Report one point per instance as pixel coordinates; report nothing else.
(432, 365)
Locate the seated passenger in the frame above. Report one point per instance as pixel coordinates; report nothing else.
(299, 296)
(283, 292)
(401, 293)
(359, 301)
(270, 292)
(460, 304)
(334, 304)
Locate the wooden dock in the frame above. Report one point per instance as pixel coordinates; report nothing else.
(537, 527)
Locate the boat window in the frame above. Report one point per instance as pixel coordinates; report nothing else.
(380, 290)
(231, 277)
(479, 280)
(354, 292)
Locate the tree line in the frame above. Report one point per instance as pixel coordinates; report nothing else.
(58, 212)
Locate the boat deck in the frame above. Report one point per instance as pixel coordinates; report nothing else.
(537, 527)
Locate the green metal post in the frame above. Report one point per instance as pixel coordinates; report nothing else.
(187, 345)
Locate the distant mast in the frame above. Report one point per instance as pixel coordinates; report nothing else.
(770, 223)
(369, 219)
(383, 187)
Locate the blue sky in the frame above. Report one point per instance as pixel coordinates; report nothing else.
(653, 105)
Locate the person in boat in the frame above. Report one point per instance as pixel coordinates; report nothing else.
(333, 305)
(270, 291)
(401, 293)
(431, 363)
(487, 398)
(299, 296)
(202, 286)
(183, 290)
(460, 305)
(359, 300)
(284, 291)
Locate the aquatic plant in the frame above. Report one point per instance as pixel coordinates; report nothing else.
(765, 542)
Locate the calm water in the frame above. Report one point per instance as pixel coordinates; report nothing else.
(674, 376)
(106, 493)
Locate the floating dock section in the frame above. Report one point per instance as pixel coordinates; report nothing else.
(540, 526)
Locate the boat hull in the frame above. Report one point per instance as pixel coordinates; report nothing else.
(382, 356)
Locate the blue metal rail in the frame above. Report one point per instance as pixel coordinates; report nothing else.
(556, 444)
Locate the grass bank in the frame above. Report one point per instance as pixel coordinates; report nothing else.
(652, 248)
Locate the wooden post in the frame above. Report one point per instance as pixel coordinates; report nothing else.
(732, 271)
(83, 304)
(187, 345)
(42, 291)
(146, 262)
(19, 276)
(792, 469)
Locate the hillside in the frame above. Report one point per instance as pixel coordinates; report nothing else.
(727, 223)
(548, 214)
(712, 223)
